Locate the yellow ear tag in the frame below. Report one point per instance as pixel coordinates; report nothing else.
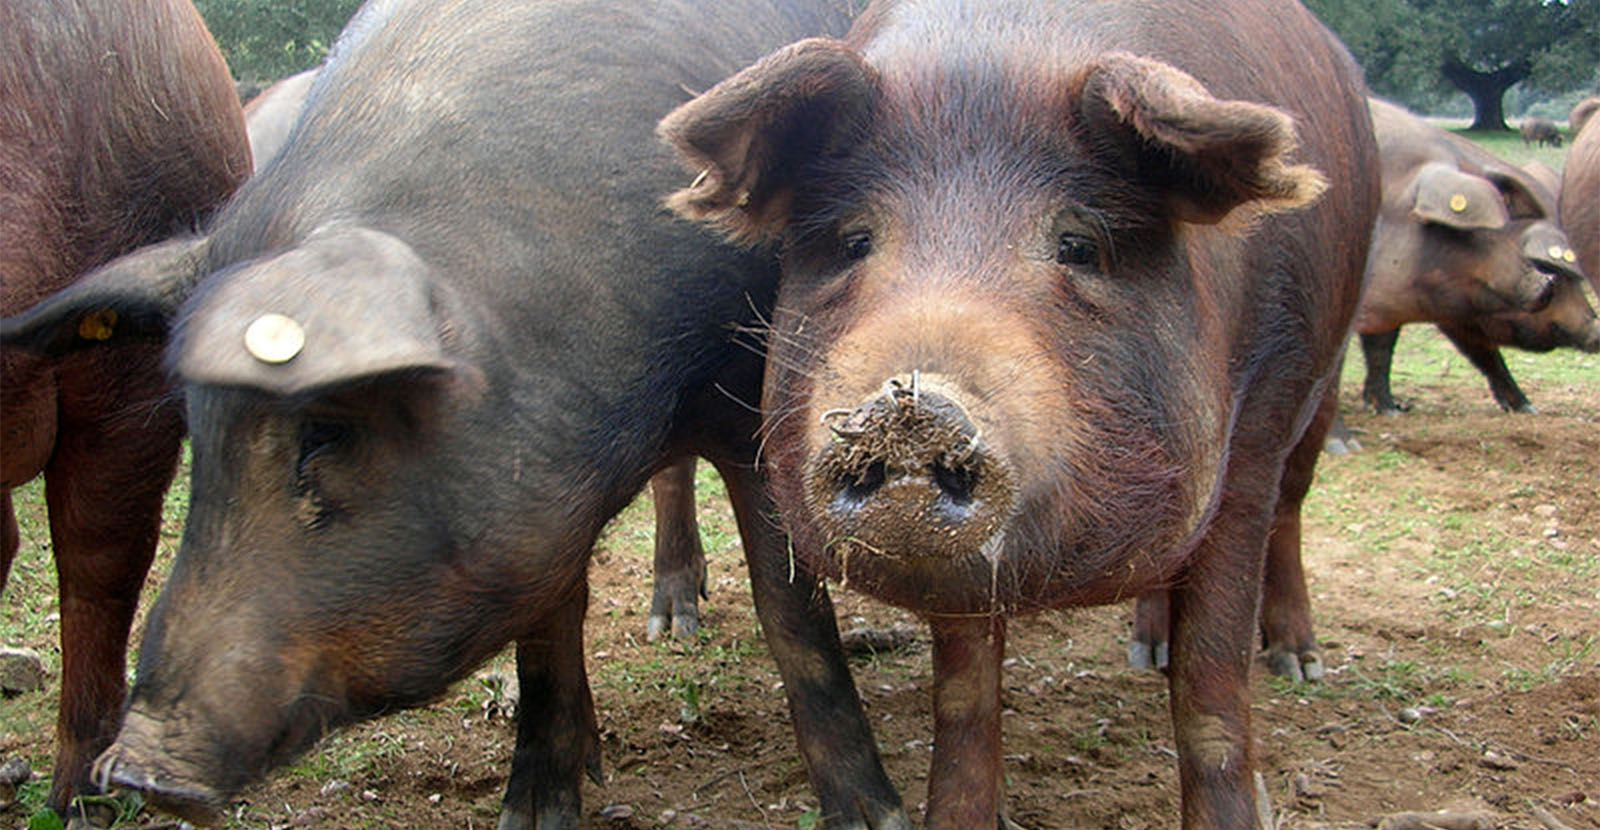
(1458, 202)
(1555, 252)
(274, 338)
(98, 325)
(1569, 256)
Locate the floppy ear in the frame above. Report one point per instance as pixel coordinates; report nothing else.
(133, 296)
(1443, 195)
(748, 137)
(346, 304)
(1210, 156)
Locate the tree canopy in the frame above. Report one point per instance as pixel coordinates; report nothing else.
(1413, 50)
(264, 40)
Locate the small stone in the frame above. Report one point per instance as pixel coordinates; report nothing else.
(335, 787)
(1545, 510)
(435, 798)
(616, 812)
(1494, 760)
(1410, 714)
(13, 774)
(21, 671)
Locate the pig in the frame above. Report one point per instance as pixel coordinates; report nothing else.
(1580, 114)
(680, 561)
(1462, 236)
(426, 354)
(1580, 197)
(1540, 131)
(1061, 293)
(271, 115)
(120, 129)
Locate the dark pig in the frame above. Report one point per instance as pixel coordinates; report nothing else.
(680, 561)
(119, 127)
(1060, 296)
(427, 353)
(1540, 131)
(1462, 236)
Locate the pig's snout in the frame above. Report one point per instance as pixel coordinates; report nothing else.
(134, 763)
(908, 474)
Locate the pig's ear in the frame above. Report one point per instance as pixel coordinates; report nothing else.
(347, 304)
(747, 139)
(1443, 195)
(132, 297)
(1209, 155)
(1524, 196)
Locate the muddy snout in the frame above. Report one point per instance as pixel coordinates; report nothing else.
(134, 762)
(908, 474)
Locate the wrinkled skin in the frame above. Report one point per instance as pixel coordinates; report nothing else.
(1471, 244)
(1053, 317)
(121, 130)
(427, 353)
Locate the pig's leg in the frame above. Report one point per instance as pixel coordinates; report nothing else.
(557, 736)
(1378, 349)
(798, 622)
(1492, 365)
(1214, 626)
(103, 490)
(10, 537)
(1148, 647)
(1285, 606)
(680, 578)
(964, 784)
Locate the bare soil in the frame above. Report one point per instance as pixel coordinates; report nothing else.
(1455, 570)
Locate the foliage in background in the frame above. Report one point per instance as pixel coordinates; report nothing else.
(265, 40)
(1419, 52)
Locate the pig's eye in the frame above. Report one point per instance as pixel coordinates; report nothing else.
(1077, 251)
(318, 438)
(857, 245)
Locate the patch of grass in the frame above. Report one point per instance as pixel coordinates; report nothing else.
(347, 755)
(1508, 146)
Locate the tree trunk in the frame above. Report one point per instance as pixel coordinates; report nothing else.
(1486, 89)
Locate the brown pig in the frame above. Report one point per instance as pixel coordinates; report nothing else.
(1580, 197)
(119, 128)
(1463, 236)
(1061, 293)
(1540, 131)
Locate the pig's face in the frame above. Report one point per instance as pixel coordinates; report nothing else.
(335, 556)
(998, 372)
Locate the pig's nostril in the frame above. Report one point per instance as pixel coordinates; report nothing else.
(855, 489)
(956, 483)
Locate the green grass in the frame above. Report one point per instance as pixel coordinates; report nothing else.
(1509, 146)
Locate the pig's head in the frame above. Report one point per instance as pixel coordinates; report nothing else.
(330, 567)
(1477, 242)
(998, 370)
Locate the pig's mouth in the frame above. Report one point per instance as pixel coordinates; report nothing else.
(163, 789)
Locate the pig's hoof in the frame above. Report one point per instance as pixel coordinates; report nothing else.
(1342, 446)
(1299, 666)
(514, 820)
(1143, 655)
(684, 623)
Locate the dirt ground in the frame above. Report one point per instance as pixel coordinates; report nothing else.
(1455, 570)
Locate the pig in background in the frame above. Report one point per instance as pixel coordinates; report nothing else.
(1540, 131)
(1473, 245)
(1054, 318)
(120, 128)
(427, 353)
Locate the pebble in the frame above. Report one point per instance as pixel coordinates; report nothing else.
(21, 671)
(13, 774)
